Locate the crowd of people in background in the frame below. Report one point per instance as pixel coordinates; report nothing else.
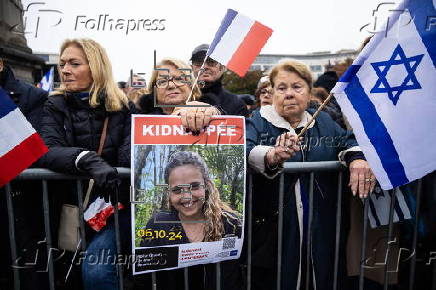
(89, 103)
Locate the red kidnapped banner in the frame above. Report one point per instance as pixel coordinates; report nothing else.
(169, 130)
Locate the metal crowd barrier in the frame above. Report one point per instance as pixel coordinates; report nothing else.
(308, 167)
(45, 175)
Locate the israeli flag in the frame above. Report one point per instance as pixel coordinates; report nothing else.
(46, 82)
(380, 200)
(389, 96)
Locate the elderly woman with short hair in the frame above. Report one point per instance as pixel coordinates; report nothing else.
(271, 141)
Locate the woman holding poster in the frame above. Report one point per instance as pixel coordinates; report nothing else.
(170, 86)
(271, 141)
(197, 213)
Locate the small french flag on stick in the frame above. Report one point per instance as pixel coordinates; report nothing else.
(98, 212)
(20, 145)
(238, 41)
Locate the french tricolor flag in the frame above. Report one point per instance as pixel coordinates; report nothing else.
(238, 41)
(20, 145)
(98, 212)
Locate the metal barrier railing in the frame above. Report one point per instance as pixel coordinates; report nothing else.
(300, 167)
(311, 168)
(44, 175)
(307, 167)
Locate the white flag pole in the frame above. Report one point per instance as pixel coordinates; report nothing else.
(196, 78)
(315, 115)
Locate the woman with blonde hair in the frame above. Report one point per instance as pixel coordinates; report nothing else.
(91, 71)
(87, 104)
(170, 86)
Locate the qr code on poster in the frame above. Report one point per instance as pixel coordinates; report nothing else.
(229, 243)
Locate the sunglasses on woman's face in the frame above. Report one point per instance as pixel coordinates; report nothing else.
(187, 188)
(265, 91)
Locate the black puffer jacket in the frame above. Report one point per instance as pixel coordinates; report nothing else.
(71, 126)
(146, 105)
(333, 109)
(227, 103)
(28, 98)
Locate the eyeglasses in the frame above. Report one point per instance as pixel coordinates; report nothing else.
(187, 188)
(179, 81)
(138, 84)
(265, 92)
(209, 62)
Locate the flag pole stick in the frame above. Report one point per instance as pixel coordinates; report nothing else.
(196, 79)
(315, 115)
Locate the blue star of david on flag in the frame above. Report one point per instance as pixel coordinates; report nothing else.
(409, 83)
(388, 93)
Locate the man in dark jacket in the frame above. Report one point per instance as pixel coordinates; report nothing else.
(26, 196)
(211, 86)
(327, 81)
(28, 98)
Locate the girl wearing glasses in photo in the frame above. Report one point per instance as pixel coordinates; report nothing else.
(196, 211)
(170, 86)
(189, 199)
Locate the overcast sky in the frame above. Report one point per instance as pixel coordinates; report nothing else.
(300, 27)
